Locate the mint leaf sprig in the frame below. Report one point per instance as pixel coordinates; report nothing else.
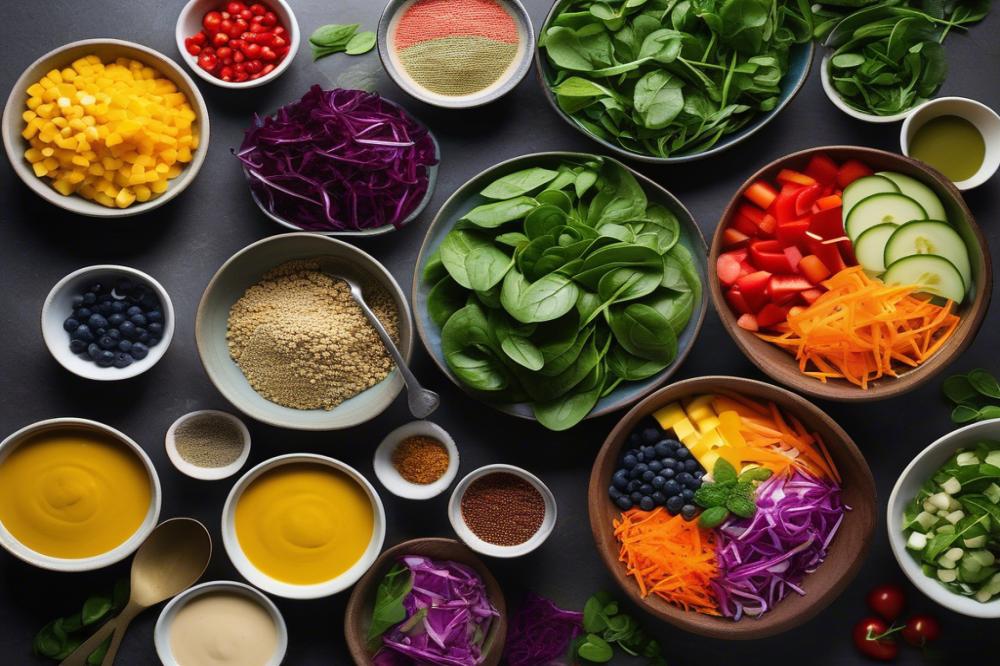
(729, 493)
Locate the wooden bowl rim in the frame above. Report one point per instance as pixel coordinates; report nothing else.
(841, 390)
(366, 586)
(717, 627)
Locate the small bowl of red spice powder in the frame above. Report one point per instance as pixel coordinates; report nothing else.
(502, 511)
(416, 461)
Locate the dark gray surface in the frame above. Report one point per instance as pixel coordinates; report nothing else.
(183, 243)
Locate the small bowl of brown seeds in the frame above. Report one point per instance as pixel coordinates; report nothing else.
(208, 444)
(416, 461)
(502, 511)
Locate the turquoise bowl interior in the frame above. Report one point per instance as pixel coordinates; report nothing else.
(467, 197)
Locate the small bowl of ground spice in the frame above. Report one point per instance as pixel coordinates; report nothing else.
(502, 511)
(208, 444)
(417, 461)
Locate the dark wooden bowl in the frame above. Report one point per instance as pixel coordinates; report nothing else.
(782, 366)
(846, 553)
(357, 616)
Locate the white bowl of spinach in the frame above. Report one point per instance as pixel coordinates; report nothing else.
(560, 286)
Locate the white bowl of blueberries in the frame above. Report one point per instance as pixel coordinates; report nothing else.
(107, 322)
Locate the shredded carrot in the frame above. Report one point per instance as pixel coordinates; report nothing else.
(862, 329)
(670, 557)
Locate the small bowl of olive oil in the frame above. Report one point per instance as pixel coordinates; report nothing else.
(959, 137)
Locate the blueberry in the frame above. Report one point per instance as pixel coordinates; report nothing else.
(84, 333)
(655, 466)
(641, 467)
(640, 457)
(93, 350)
(682, 453)
(669, 463)
(634, 473)
(613, 492)
(77, 300)
(139, 351)
(647, 489)
(658, 481)
(118, 307)
(122, 360)
(149, 301)
(89, 298)
(651, 435)
(674, 505)
(620, 479)
(104, 307)
(114, 334)
(154, 317)
(70, 325)
(83, 314)
(633, 486)
(116, 319)
(127, 329)
(687, 494)
(106, 359)
(668, 473)
(684, 478)
(77, 346)
(690, 465)
(635, 497)
(624, 503)
(106, 342)
(662, 450)
(142, 335)
(671, 487)
(134, 310)
(699, 474)
(152, 342)
(649, 452)
(124, 345)
(688, 511)
(648, 475)
(100, 331)
(646, 504)
(97, 320)
(659, 497)
(138, 319)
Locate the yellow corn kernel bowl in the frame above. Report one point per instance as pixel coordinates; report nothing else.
(105, 128)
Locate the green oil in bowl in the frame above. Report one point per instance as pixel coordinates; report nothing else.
(950, 144)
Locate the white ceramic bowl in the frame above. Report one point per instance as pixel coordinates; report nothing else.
(288, 590)
(189, 23)
(983, 117)
(394, 482)
(58, 306)
(485, 547)
(120, 552)
(106, 49)
(921, 468)
(834, 96)
(206, 473)
(164, 623)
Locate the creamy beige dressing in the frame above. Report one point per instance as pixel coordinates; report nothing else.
(223, 629)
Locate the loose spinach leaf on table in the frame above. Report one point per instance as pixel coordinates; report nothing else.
(976, 396)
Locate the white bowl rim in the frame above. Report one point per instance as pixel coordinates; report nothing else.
(393, 480)
(484, 547)
(929, 586)
(986, 171)
(405, 312)
(289, 590)
(192, 61)
(39, 187)
(206, 473)
(53, 338)
(116, 554)
(832, 95)
(165, 621)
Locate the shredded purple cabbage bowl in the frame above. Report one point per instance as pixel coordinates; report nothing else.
(339, 160)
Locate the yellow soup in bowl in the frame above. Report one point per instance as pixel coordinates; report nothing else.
(73, 493)
(304, 523)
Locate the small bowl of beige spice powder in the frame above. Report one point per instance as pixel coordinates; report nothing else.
(208, 444)
(416, 461)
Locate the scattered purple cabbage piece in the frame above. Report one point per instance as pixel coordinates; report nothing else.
(764, 558)
(448, 617)
(338, 160)
(541, 633)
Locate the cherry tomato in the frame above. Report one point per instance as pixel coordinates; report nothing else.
(277, 42)
(887, 600)
(224, 52)
(246, 15)
(240, 77)
(258, 9)
(220, 38)
(226, 73)
(235, 7)
(198, 38)
(207, 61)
(270, 19)
(211, 21)
(267, 55)
(921, 629)
(252, 50)
(869, 640)
(238, 56)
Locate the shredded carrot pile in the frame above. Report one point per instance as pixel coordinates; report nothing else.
(863, 329)
(670, 557)
(775, 440)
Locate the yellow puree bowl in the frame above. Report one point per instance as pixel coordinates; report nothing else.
(303, 526)
(75, 495)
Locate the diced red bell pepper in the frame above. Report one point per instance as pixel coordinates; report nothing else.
(736, 301)
(829, 201)
(752, 213)
(805, 199)
(727, 267)
(850, 171)
(744, 225)
(792, 233)
(761, 193)
(784, 288)
(732, 237)
(822, 168)
(827, 223)
(794, 257)
(784, 204)
(771, 315)
(767, 225)
(792, 176)
(811, 295)
(748, 322)
(829, 254)
(769, 255)
(813, 269)
(754, 289)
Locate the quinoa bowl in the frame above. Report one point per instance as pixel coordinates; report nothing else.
(362, 400)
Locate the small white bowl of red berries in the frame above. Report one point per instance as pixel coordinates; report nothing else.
(237, 44)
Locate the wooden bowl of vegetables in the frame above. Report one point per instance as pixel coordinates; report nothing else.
(758, 513)
(377, 598)
(850, 273)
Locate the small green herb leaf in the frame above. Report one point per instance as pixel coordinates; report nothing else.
(595, 649)
(723, 472)
(959, 389)
(984, 383)
(713, 517)
(741, 506)
(755, 474)
(333, 35)
(388, 610)
(95, 608)
(711, 494)
(363, 42)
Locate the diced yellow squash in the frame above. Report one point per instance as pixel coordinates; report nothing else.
(669, 415)
(685, 430)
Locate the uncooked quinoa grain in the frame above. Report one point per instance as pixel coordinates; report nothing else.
(208, 440)
(503, 509)
(302, 341)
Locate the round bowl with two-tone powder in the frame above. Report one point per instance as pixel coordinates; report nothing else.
(456, 53)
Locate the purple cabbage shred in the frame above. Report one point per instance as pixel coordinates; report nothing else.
(541, 634)
(338, 160)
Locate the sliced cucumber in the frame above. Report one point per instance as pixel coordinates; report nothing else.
(883, 208)
(931, 273)
(869, 248)
(929, 237)
(863, 188)
(919, 192)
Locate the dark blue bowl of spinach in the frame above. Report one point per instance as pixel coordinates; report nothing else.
(673, 80)
(560, 286)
